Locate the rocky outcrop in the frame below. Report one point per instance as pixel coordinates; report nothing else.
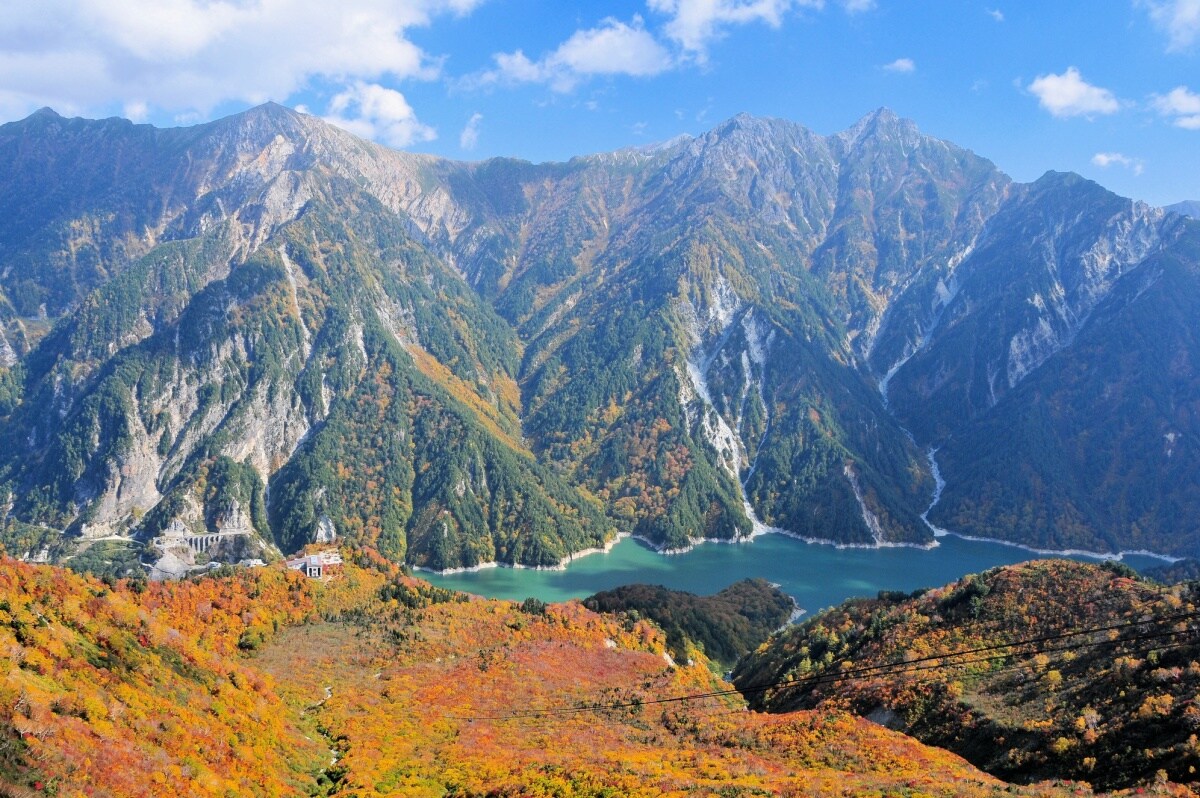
(756, 328)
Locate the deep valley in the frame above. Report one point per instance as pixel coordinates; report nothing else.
(227, 341)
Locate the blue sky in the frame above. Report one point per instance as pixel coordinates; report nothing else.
(1106, 88)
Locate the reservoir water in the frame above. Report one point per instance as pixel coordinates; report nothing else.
(816, 575)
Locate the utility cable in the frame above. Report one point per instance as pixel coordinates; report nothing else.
(870, 671)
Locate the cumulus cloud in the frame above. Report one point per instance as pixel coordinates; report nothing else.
(612, 48)
(1107, 159)
(1069, 94)
(694, 24)
(186, 57)
(1178, 19)
(136, 111)
(619, 48)
(1181, 105)
(995, 14)
(470, 134)
(902, 65)
(371, 111)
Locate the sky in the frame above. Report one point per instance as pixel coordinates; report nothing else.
(1106, 88)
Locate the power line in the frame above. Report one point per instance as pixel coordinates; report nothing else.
(826, 678)
(887, 668)
(901, 668)
(919, 664)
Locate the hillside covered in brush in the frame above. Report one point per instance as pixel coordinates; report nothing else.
(139, 690)
(371, 684)
(1051, 668)
(265, 329)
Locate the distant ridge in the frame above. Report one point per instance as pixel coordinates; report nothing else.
(1187, 208)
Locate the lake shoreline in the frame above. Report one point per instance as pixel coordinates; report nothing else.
(562, 564)
(815, 576)
(565, 562)
(1094, 555)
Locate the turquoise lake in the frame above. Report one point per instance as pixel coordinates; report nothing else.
(816, 575)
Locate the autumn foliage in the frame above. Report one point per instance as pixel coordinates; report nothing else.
(1116, 706)
(112, 692)
(261, 682)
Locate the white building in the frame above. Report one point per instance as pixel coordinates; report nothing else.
(315, 565)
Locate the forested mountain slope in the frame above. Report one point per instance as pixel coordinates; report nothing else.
(266, 329)
(1048, 669)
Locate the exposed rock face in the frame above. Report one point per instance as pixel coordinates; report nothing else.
(173, 563)
(1027, 287)
(326, 532)
(756, 328)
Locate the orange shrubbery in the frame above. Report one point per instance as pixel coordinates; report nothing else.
(1113, 707)
(111, 692)
(374, 684)
(431, 695)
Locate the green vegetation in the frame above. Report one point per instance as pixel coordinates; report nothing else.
(451, 363)
(110, 559)
(725, 626)
(1106, 694)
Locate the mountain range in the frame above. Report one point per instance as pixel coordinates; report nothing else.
(262, 331)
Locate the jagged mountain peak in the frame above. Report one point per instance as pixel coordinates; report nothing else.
(1054, 184)
(744, 121)
(1053, 178)
(753, 141)
(744, 124)
(265, 122)
(882, 124)
(46, 120)
(524, 302)
(882, 117)
(271, 110)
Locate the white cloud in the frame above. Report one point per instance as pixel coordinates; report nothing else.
(1107, 159)
(136, 111)
(1180, 100)
(184, 58)
(1069, 94)
(612, 48)
(1178, 19)
(470, 134)
(694, 24)
(1181, 105)
(902, 65)
(995, 14)
(617, 48)
(518, 68)
(371, 111)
